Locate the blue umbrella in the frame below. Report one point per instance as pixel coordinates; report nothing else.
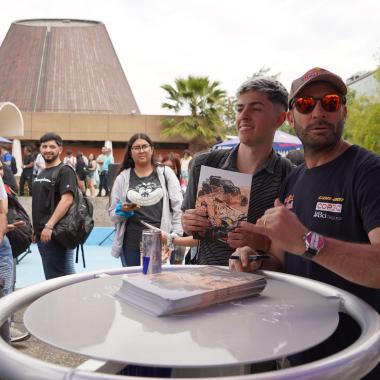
(282, 141)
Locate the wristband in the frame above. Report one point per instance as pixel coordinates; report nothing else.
(48, 227)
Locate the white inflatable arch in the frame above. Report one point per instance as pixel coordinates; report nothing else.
(11, 121)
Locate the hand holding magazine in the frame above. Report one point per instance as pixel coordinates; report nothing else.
(187, 289)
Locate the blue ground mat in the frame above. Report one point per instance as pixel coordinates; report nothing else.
(97, 252)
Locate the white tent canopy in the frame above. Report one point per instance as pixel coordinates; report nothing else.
(282, 142)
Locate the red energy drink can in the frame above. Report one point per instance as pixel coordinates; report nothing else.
(151, 251)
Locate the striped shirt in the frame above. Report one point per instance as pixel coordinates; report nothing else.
(264, 190)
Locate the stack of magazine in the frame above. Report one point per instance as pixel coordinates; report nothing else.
(187, 289)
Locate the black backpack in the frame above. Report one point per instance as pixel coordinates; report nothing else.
(20, 238)
(13, 165)
(74, 228)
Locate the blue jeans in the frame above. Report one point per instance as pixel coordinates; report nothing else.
(130, 258)
(57, 260)
(6, 280)
(103, 182)
(6, 265)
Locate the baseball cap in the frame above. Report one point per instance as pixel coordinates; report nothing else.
(317, 74)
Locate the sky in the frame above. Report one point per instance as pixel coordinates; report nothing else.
(227, 40)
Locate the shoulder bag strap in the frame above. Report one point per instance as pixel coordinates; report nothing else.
(166, 185)
(52, 185)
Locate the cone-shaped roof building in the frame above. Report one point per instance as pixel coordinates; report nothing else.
(63, 66)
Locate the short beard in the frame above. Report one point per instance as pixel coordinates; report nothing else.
(48, 160)
(319, 145)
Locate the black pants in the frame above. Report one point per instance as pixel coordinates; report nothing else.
(103, 182)
(28, 178)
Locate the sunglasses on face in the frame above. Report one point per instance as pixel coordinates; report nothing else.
(138, 148)
(329, 102)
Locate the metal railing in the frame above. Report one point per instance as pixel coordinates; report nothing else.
(351, 363)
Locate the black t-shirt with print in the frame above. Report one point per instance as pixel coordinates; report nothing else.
(340, 199)
(41, 206)
(148, 194)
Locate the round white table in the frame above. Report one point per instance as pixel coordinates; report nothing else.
(87, 319)
(80, 313)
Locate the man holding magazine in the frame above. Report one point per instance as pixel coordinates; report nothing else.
(260, 110)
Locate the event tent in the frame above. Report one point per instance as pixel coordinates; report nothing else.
(282, 142)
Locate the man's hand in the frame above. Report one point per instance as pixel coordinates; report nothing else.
(15, 225)
(242, 237)
(46, 235)
(244, 265)
(194, 221)
(282, 226)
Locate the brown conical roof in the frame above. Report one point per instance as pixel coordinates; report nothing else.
(63, 66)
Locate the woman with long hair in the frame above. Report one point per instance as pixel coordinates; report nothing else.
(81, 170)
(145, 191)
(91, 168)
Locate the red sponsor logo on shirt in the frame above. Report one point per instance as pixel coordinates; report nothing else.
(327, 206)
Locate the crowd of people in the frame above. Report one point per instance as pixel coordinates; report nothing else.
(92, 171)
(319, 220)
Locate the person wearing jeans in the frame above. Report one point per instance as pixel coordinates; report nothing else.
(104, 160)
(61, 261)
(57, 260)
(6, 257)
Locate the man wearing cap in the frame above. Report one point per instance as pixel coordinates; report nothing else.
(328, 218)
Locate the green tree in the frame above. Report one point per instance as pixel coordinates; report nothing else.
(203, 99)
(229, 115)
(286, 127)
(363, 122)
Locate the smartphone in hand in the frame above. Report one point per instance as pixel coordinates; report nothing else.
(127, 206)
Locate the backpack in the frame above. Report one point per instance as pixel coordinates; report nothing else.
(13, 165)
(74, 228)
(21, 237)
(81, 168)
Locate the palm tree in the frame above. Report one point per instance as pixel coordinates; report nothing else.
(203, 100)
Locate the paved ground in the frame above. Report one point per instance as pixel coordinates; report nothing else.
(29, 271)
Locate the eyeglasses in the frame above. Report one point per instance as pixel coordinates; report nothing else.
(138, 148)
(329, 102)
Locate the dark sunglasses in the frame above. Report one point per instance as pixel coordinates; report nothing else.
(329, 102)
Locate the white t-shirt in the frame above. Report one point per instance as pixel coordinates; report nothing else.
(72, 161)
(39, 164)
(3, 193)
